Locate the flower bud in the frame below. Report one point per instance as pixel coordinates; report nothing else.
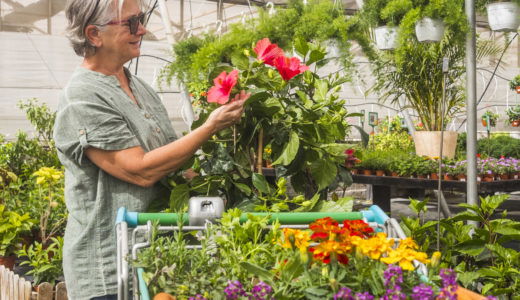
(246, 52)
(54, 204)
(270, 73)
(436, 259)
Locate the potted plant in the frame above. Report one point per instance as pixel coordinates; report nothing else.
(502, 15)
(491, 116)
(514, 84)
(513, 113)
(12, 227)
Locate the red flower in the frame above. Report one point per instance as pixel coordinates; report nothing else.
(349, 152)
(289, 67)
(358, 228)
(267, 52)
(224, 82)
(478, 155)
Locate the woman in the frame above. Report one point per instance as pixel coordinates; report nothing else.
(115, 140)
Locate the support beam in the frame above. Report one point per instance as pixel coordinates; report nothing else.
(49, 17)
(471, 106)
(165, 17)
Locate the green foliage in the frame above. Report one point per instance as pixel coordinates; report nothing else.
(12, 227)
(482, 254)
(318, 21)
(513, 113)
(499, 146)
(493, 117)
(299, 120)
(514, 82)
(46, 262)
(391, 141)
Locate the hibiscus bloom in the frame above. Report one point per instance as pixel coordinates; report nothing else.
(289, 67)
(267, 52)
(223, 84)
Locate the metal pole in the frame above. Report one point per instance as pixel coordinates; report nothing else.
(181, 21)
(1, 17)
(471, 106)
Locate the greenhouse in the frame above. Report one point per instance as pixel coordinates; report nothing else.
(253, 149)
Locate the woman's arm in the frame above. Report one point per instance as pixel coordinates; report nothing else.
(142, 168)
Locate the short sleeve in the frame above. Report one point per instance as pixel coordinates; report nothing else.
(82, 124)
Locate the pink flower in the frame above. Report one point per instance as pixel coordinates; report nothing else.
(223, 85)
(267, 52)
(289, 67)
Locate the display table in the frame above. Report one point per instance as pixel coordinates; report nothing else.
(381, 187)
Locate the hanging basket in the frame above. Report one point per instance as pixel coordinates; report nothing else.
(517, 89)
(360, 3)
(429, 30)
(503, 16)
(386, 37)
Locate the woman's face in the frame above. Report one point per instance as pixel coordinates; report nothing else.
(117, 40)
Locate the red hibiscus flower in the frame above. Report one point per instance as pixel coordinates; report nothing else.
(224, 82)
(289, 67)
(267, 52)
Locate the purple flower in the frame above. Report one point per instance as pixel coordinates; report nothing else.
(491, 298)
(364, 296)
(197, 297)
(261, 291)
(423, 292)
(344, 293)
(393, 276)
(449, 284)
(234, 290)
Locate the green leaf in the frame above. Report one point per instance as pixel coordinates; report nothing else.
(316, 55)
(467, 278)
(342, 204)
(507, 230)
(323, 171)
(290, 150)
(490, 272)
(471, 247)
(262, 273)
(335, 148)
(316, 291)
(259, 96)
(260, 183)
(301, 47)
(239, 60)
(179, 197)
(243, 187)
(322, 88)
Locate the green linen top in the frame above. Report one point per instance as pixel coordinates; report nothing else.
(94, 111)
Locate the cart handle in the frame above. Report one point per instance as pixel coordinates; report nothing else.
(374, 214)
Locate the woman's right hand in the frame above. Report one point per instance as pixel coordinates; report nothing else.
(228, 114)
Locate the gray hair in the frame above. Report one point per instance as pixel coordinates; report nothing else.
(81, 13)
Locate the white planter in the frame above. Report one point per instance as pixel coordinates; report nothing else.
(503, 16)
(429, 30)
(428, 143)
(386, 37)
(360, 3)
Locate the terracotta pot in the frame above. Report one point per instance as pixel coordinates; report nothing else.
(367, 172)
(515, 123)
(380, 173)
(465, 294)
(484, 122)
(421, 176)
(354, 171)
(448, 177)
(488, 177)
(164, 296)
(503, 176)
(394, 174)
(8, 261)
(462, 177)
(517, 88)
(434, 176)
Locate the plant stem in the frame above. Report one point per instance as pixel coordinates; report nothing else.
(260, 151)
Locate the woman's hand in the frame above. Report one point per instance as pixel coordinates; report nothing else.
(228, 114)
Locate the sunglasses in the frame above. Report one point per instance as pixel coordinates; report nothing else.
(132, 22)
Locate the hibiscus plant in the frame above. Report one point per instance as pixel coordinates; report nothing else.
(292, 111)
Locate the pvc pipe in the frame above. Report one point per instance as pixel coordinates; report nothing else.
(290, 218)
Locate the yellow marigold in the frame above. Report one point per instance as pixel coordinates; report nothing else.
(373, 247)
(299, 238)
(408, 243)
(405, 257)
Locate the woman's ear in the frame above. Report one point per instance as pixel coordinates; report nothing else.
(92, 35)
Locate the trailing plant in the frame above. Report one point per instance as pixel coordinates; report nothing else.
(317, 21)
(513, 113)
(513, 83)
(493, 117)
